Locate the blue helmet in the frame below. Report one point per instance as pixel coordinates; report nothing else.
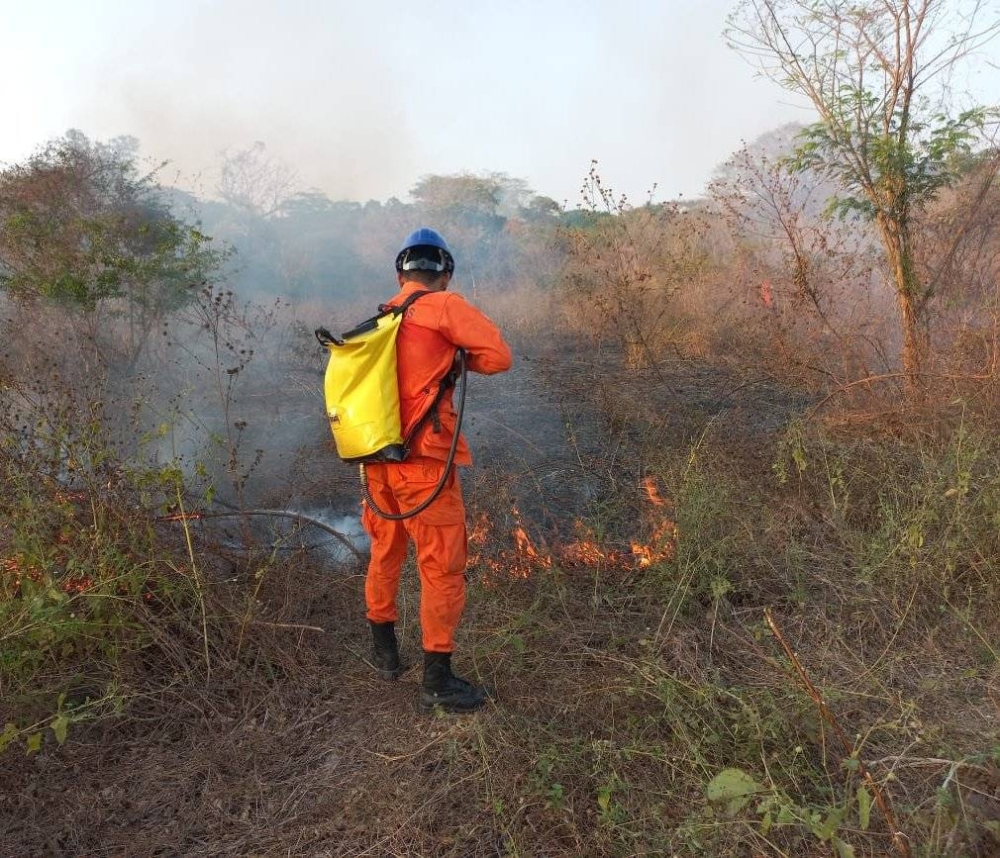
(425, 250)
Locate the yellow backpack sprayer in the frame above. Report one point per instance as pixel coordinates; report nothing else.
(362, 398)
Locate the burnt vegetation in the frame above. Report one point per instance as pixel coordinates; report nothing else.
(733, 524)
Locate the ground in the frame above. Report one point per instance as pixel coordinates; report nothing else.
(615, 698)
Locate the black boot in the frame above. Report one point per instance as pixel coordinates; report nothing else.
(385, 650)
(442, 688)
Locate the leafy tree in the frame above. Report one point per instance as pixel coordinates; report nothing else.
(84, 229)
(465, 197)
(466, 208)
(875, 71)
(476, 212)
(540, 209)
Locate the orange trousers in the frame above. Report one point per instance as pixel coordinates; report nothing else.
(440, 539)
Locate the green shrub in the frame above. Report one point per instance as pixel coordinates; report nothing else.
(85, 579)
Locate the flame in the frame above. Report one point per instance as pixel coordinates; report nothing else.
(586, 550)
(652, 491)
(524, 545)
(766, 296)
(585, 553)
(526, 556)
(477, 538)
(526, 551)
(69, 497)
(480, 530)
(643, 555)
(662, 545)
(518, 561)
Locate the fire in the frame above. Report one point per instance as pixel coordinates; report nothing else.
(69, 497)
(585, 553)
(663, 542)
(652, 492)
(525, 547)
(643, 555)
(587, 550)
(518, 561)
(79, 584)
(662, 546)
(477, 536)
(766, 296)
(666, 532)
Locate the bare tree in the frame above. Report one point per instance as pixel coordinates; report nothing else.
(877, 73)
(251, 181)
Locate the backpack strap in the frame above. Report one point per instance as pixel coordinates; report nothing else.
(431, 413)
(402, 308)
(369, 324)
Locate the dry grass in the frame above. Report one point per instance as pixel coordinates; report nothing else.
(621, 691)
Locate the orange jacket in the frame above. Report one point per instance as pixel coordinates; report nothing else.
(434, 327)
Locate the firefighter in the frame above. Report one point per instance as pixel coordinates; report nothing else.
(432, 331)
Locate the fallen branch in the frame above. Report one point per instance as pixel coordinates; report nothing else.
(891, 376)
(291, 626)
(273, 513)
(895, 376)
(899, 840)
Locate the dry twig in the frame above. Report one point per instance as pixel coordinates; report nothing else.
(900, 841)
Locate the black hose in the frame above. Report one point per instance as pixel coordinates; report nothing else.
(449, 462)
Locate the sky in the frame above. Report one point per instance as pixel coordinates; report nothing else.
(360, 99)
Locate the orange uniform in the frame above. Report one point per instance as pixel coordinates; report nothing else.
(434, 327)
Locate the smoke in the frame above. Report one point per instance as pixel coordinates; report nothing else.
(193, 135)
(328, 108)
(348, 525)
